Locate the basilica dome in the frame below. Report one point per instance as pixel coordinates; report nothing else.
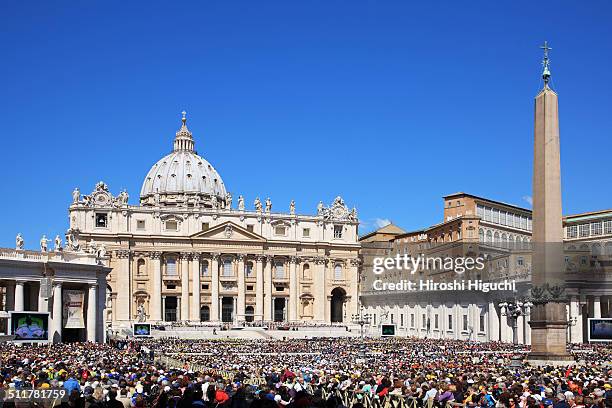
(183, 178)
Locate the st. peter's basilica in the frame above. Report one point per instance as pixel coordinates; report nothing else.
(193, 252)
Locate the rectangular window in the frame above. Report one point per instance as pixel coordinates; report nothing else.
(572, 231)
(101, 220)
(170, 286)
(250, 227)
(583, 260)
(584, 230)
(502, 218)
(204, 268)
(171, 226)
(412, 320)
(205, 286)
(306, 232)
(524, 223)
(481, 325)
(249, 287)
(465, 322)
(436, 321)
(402, 319)
(607, 227)
(495, 216)
(171, 266)
(140, 224)
(337, 231)
(520, 261)
(279, 231)
(205, 226)
(279, 270)
(450, 322)
(424, 320)
(227, 268)
(487, 214)
(480, 210)
(280, 288)
(529, 225)
(596, 228)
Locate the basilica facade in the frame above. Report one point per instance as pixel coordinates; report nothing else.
(192, 252)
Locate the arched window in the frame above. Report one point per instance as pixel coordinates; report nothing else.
(204, 314)
(227, 267)
(306, 272)
(496, 239)
(504, 240)
(489, 237)
(140, 268)
(480, 235)
(170, 265)
(204, 268)
(248, 269)
(279, 269)
(338, 272)
(511, 241)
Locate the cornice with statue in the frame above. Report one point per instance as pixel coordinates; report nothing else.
(198, 204)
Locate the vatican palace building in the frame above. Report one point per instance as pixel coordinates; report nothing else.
(192, 252)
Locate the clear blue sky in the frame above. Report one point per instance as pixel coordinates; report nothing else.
(390, 104)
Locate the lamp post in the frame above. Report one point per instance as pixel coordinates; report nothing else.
(361, 319)
(514, 310)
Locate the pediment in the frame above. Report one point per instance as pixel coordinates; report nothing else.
(228, 231)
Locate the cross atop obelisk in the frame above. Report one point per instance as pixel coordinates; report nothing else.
(546, 64)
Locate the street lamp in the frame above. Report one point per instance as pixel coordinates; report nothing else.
(514, 310)
(361, 319)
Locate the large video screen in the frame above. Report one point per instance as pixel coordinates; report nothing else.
(30, 326)
(388, 330)
(600, 329)
(142, 329)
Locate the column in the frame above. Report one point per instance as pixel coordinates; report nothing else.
(527, 326)
(55, 334)
(19, 296)
(506, 329)
(293, 289)
(214, 282)
(156, 296)
(91, 313)
(520, 329)
(353, 279)
(124, 290)
(596, 307)
(184, 287)
(241, 301)
(576, 329)
(259, 285)
(319, 283)
(163, 308)
(196, 288)
(268, 289)
(493, 317)
(43, 304)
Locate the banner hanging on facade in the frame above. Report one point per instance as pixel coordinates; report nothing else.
(73, 309)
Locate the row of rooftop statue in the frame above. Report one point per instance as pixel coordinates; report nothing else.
(102, 196)
(72, 244)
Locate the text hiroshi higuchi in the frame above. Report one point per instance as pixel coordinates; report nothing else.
(429, 285)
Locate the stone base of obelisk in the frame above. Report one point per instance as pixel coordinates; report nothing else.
(549, 335)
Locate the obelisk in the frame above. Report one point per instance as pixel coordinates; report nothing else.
(548, 315)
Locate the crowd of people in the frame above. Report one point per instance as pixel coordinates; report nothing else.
(320, 372)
